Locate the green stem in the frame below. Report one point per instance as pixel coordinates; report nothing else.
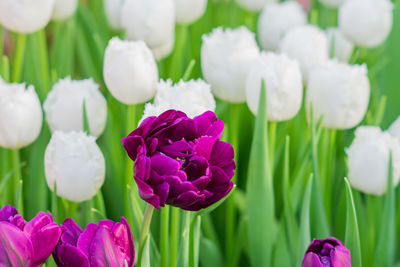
(18, 59)
(271, 143)
(177, 59)
(144, 233)
(174, 237)
(44, 59)
(164, 239)
(16, 164)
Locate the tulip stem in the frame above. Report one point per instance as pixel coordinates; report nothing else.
(44, 58)
(271, 143)
(17, 177)
(144, 233)
(177, 58)
(174, 238)
(18, 59)
(164, 236)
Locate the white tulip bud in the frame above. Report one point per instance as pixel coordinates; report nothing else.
(308, 45)
(342, 47)
(64, 106)
(130, 71)
(284, 86)
(394, 129)
(21, 115)
(25, 16)
(64, 9)
(366, 23)
(226, 56)
(193, 98)
(340, 93)
(368, 160)
(255, 5)
(113, 12)
(276, 20)
(74, 163)
(332, 3)
(164, 50)
(188, 11)
(152, 21)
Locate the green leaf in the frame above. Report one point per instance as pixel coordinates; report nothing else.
(86, 127)
(146, 253)
(352, 239)
(305, 235)
(282, 255)
(260, 194)
(210, 254)
(194, 242)
(183, 258)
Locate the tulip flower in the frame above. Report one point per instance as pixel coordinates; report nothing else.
(26, 243)
(339, 93)
(332, 3)
(164, 50)
(368, 160)
(20, 115)
(192, 97)
(394, 129)
(64, 9)
(64, 106)
(328, 252)
(152, 21)
(255, 5)
(113, 12)
(74, 163)
(25, 16)
(342, 47)
(180, 161)
(188, 11)
(130, 71)
(226, 56)
(366, 23)
(104, 244)
(283, 82)
(276, 20)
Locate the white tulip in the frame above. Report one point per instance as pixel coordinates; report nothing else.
(164, 50)
(20, 115)
(255, 5)
(368, 160)
(338, 92)
(113, 12)
(130, 71)
(188, 11)
(342, 47)
(226, 56)
(284, 86)
(366, 23)
(152, 21)
(193, 98)
(332, 3)
(64, 9)
(25, 16)
(394, 129)
(75, 165)
(308, 45)
(276, 20)
(64, 106)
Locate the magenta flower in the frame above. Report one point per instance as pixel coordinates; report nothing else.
(180, 161)
(328, 252)
(106, 244)
(26, 243)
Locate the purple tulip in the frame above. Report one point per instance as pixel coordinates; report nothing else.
(26, 243)
(180, 161)
(106, 244)
(328, 252)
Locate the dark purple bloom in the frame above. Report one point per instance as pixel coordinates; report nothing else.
(26, 243)
(328, 252)
(106, 244)
(180, 161)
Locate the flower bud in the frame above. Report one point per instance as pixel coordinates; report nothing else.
(20, 115)
(164, 50)
(366, 23)
(255, 5)
(283, 82)
(332, 3)
(339, 93)
(75, 164)
(64, 106)
(130, 71)
(25, 16)
(394, 129)
(64, 9)
(276, 20)
(188, 11)
(192, 97)
(152, 21)
(342, 47)
(308, 45)
(327, 252)
(368, 160)
(113, 13)
(111, 244)
(26, 243)
(226, 56)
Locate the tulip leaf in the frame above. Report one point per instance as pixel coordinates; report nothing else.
(282, 255)
(189, 70)
(86, 127)
(210, 255)
(305, 234)
(215, 205)
(183, 258)
(5, 68)
(194, 241)
(146, 253)
(260, 193)
(384, 253)
(352, 238)
(4, 181)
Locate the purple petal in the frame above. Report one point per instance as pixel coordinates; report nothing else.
(132, 145)
(124, 239)
(6, 212)
(340, 257)
(103, 250)
(204, 146)
(86, 238)
(312, 260)
(70, 232)
(164, 165)
(66, 255)
(142, 167)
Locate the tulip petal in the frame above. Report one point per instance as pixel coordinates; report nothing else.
(71, 232)
(6, 212)
(103, 250)
(67, 255)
